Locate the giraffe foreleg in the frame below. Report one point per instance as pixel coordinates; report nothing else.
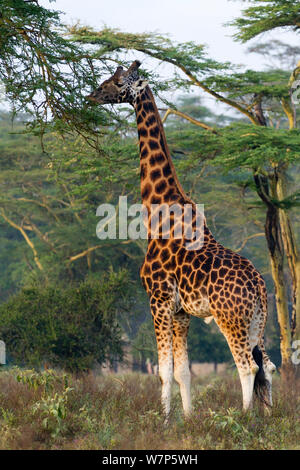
(162, 316)
(181, 321)
(247, 378)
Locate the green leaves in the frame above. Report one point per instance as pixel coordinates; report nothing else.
(257, 147)
(187, 55)
(266, 15)
(44, 73)
(212, 346)
(269, 84)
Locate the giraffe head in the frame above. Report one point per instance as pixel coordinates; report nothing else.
(122, 87)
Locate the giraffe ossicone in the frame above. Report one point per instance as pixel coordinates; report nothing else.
(210, 282)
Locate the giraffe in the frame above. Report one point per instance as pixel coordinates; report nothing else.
(211, 282)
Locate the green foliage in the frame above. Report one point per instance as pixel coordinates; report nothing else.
(229, 422)
(109, 40)
(144, 344)
(53, 411)
(206, 343)
(257, 147)
(44, 73)
(270, 84)
(53, 196)
(73, 327)
(47, 379)
(266, 15)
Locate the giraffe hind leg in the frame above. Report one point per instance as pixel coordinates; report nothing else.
(242, 355)
(247, 369)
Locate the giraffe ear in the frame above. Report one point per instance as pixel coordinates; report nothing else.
(134, 66)
(117, 75)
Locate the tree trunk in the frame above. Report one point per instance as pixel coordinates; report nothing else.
(281, 306)
(274, 234)
(292, 254)
(276, 252)
(277, 260)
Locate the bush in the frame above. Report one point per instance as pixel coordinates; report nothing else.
(72, 328)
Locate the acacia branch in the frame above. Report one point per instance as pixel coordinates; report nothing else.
(188, 118)
(25, 236)
(72, 205)
(43, 237)
(258, 110)
(41, 204)
(43, 61)
(260, 234)
(83, 253)
(205, 88)
(89, 250)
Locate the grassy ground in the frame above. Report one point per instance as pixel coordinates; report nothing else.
(52, 410)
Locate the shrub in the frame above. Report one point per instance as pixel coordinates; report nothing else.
(72, 327)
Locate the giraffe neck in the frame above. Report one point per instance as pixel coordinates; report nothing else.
(159, 182)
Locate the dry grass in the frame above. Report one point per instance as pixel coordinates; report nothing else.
(53, 410)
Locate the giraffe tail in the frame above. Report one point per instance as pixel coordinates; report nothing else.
(261, 384)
